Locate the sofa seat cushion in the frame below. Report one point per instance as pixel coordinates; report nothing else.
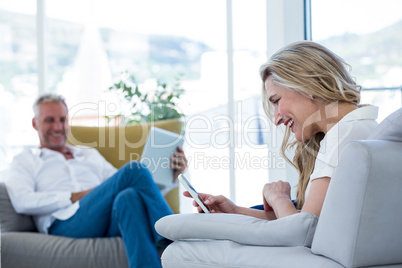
(294, 230)
(35, 250)
(224, 253)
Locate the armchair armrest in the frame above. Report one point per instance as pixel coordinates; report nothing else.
(294, 230)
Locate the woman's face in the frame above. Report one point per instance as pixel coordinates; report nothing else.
(295, 110)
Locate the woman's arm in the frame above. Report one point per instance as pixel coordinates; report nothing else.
(221, 204)
(277, 201)
(261, 214)
(316, 195)
(277, 197)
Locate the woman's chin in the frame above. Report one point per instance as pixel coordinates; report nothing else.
(301, 138)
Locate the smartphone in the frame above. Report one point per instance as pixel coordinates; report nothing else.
(193, 193)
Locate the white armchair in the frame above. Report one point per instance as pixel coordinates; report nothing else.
(359, 226)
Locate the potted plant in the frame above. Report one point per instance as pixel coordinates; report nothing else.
(149, 102)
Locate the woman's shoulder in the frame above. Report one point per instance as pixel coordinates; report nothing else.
(358, 124)
(356, 129)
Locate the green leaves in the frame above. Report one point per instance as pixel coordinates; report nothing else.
(148, 104)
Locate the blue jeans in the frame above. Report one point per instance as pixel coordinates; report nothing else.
(127, 204)
(261, 207)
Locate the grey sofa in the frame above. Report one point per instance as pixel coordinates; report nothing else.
(22, 246)
(359, 226)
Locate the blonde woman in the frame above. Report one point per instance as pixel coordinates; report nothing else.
(307, 88)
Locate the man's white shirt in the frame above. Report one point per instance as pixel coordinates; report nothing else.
(41, 181)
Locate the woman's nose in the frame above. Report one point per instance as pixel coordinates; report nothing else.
(277, 118)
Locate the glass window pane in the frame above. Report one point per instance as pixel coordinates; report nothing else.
(180, 38)
(251, 151)
(88, 48)
(369, 38)
(18, 75)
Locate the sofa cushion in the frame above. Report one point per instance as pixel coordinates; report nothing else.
(35, 250)
(294, 230)
(225, 254)
(10, 220)
(121, 144)
(390, 129)
(360, 220)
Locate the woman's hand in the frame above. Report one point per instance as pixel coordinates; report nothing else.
(216, 204)
(178, 163)
(275, 193)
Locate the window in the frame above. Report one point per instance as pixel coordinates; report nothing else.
(18, 75)
(367, 34)
(89, 43)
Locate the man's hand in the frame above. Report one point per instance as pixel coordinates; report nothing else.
(216, 204)
(178, 163)
(78, 195)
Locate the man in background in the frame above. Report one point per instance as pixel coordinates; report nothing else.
(73, 191)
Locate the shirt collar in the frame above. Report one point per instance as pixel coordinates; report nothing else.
(368, 112)
(39, 152)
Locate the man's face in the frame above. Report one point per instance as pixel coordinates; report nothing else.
(52, 125)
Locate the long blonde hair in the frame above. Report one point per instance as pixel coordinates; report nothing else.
(318, 73)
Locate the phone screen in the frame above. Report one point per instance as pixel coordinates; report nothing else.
(193, 193)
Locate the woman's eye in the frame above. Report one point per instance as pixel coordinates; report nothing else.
(276, 101)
